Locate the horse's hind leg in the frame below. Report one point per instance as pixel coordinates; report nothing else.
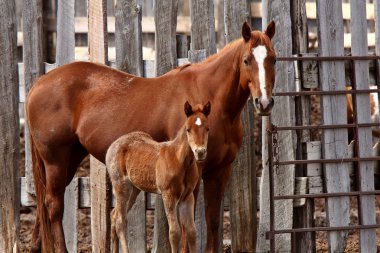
(186, 214)
(56, 176)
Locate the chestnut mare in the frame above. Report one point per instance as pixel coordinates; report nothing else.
(135, 162)
(83, 107)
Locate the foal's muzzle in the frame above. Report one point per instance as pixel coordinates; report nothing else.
(200, 154)
(263, 106)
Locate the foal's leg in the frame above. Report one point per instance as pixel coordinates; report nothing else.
(214, 186)
(170, 204)
(186, 214)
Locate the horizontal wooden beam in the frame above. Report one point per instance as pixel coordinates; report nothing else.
(302, 187)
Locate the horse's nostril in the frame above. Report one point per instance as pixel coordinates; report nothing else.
(257, 102)
(271, 102)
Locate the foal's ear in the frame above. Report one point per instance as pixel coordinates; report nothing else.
(271, 29)
(246, 32)
(188, 109)
(207, 109)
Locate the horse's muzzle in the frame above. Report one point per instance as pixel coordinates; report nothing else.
(263, 106)
(200, 154)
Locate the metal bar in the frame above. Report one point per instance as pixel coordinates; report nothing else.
(303, 230)
(328, 58)
(322, 127)
(271, 186)
(327, 195)
(336, 160)
(319, 92)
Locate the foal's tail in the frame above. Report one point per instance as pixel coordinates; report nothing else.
(39, 184)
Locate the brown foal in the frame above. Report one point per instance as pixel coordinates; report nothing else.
(135, 162)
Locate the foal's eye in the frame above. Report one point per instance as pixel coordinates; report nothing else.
(246, 61)
(188, 130)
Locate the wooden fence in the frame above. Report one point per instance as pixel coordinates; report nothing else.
(94, 192)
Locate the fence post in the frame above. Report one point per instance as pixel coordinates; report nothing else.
(278, 10)
(129, 58)
(202, 26)
(165, 16)
(243, 176)
(100, 185)
(303, 215)
(9, 130)
(359, 46)
(65, 53)
(33, 67)
(330, 41)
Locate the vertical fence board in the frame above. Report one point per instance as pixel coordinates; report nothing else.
(65, 53)
(165, 16)
(203, 26)
(33, 67)
(9, 130)
(200, 218)
(66, 34)
(367, 207)
(330, 35)
(100, 185)
(284, 178)
(128, 43)
(243, 175)
(303, 215)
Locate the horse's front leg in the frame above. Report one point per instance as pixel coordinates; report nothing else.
(215, 182)
(170, 204)
(186, 214)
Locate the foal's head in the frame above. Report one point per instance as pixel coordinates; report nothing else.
(257, 67)
(197, 129)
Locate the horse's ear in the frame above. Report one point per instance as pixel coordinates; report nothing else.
(271, 29)
(246, 32)
(188, 109)
(207, 109)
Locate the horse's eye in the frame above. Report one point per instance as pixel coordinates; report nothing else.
(207, 129)
(188, 130)
(246, 62)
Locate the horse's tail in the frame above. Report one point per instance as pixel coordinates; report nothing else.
(39, 184)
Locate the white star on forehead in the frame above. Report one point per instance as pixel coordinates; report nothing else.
(198, 122)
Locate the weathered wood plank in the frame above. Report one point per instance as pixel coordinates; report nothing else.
(362, 106)
(65, 54)
(242, 182)
(377, 40)
(66, 34)
(202, 25)
(9, 130)
(33, 58)
(165, 16)
(128, 43)
(330, 34)
(200, 218)
(282, 115)
(100, 183)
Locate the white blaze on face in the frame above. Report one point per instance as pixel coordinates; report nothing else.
(198, 122)
(260, 53)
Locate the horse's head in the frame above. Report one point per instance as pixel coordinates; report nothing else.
(197, 129)
(257, 67)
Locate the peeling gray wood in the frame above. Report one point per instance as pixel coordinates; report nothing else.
(278, 11)
(129, 58)
(9, 130)
(33, 57)
(366, 171)
(203, 25)
(333, 108)
(242, 182)
(100, 184)
(65, 52)
(165, 16)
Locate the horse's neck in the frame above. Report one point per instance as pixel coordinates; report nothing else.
(223, 80)
(182, 148)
